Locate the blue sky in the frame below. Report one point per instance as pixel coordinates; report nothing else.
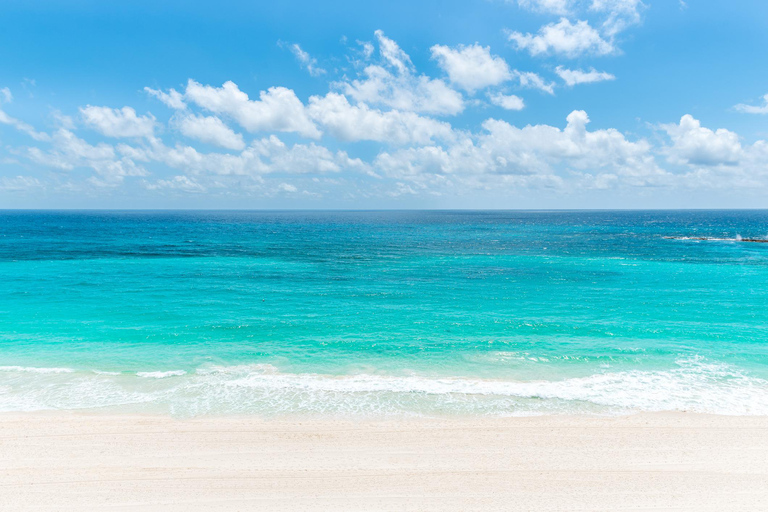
(473, 104)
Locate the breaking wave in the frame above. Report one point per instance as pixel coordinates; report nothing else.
(692, 385)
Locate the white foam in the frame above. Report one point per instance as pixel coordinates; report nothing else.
(692, 385)
(161, 375)
(238, 370)
(32, 369)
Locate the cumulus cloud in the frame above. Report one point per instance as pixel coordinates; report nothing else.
(576, 76)
(753, 109)
(716, 159)
(173, 98)
(563, 38)
(301, 158)
(359, 122)
(211, 130)
(509, 102)
(264, 156)
(70, 152)
(596, 33)
(393, 83)
(309, 63)
(403, 92)
(277, 109)
(118, 122)
(696, 145)
(503, 149)
(385, 100)
(471, 67)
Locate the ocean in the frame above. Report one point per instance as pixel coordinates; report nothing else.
(382, 313)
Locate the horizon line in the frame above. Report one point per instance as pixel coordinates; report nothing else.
(7, 210)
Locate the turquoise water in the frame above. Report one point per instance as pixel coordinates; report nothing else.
(378, 313)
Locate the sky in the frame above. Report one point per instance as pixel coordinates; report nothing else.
(534, 104)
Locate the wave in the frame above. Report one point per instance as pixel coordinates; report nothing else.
(692, 385)
(32, 369)
(161, 375)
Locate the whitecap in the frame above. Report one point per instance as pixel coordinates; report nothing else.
(33, 369)
(161, 375)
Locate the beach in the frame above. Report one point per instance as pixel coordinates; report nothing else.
(646, 461)
(383, 256)
(403, 361)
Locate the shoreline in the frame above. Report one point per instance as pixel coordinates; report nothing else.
(52, 460)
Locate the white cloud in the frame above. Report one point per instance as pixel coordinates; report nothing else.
(404, 92)
(509, 102)
(62, 121)
(503, 149)
(7, 97)
(70, 152)
(695, 145)
(386, 101)
(576, 76)
(118, 122)
(560, 7)
(564, 38)
(471, 67)
(753, 109)
(309, 63)
(22, 127)
(716, 158)
(392, 83)
(278, 108)
(264, 156)
(211, 130)
(287, 187)
(366, 48)
(360, 122)
(19, 183)
(173, 98)
(532, 80)
(621, 14)
(302, 158)
(392, 53)
(177, 183)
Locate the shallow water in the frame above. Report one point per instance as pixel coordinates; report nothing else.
(496, 313)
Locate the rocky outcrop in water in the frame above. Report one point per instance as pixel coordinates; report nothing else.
(710, 239)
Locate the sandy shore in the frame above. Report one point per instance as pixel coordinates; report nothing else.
(61, 461)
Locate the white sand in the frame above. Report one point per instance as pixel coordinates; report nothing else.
(62, 461)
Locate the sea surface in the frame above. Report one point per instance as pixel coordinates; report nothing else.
(384, 313)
